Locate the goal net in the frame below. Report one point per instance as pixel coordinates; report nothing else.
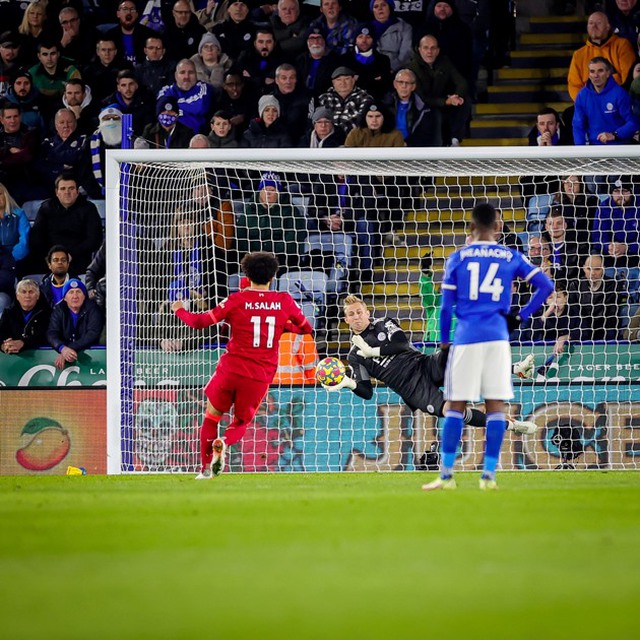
(379, 223)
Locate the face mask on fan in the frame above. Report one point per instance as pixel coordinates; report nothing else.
(167, 120)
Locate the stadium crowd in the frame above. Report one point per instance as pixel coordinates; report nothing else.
(244, 74)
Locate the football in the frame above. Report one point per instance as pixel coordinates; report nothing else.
(330, 372)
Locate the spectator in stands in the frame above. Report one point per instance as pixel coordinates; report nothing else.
(323, 133)
(32, 28)
(338, 27)
(578, 207)
(156, 70)
(624, 17)
(50, 75)
(601, 43)
(24, 326)
(442, 87)
(64, 151)
(616, 227)
(222, 135)
(108, 135)
(270, 223)
(78, 98)
(289, 28)
(267, 131)
(96, 278)
(23, 94)
(344, 99)
(199, 141)
(18, 150)
(603, 112)
(212, 13)
(594, 304)
(211, 64)
(540, 253)
(188, 275)
(565, 254)
(632, 332)
(374, 128)
(419, 125)
(76, 324)
(549, 130)
(505, 235)
(239, 101)
(9, 59)
(130, 98)
(77, 40)
(70, 219)
(394, 36)
(237, 32)
(167, 132)
(453, 36)
(293, 100)
(102, 72)
(14, 243)
(58, 262)
(183, 32)
(317, 63)
(129, 36)
(372, 67)
(337, 211)
(258, 64)
(551, 322)
(195, 98)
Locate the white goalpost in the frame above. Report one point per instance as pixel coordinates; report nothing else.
(379, 223)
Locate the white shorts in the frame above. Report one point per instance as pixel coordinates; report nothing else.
(479, 371)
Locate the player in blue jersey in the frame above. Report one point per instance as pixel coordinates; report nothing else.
(477, 284)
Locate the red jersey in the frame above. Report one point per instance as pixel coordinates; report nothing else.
(257, 320)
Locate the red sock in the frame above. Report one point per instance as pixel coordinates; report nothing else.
(208, 433)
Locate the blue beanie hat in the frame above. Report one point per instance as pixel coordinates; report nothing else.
(270, 179)
(391, 3)
(73, 283)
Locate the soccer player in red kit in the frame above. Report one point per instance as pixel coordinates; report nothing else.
(257, 317)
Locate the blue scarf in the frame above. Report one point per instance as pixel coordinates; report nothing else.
(380, 27)
(96, 165)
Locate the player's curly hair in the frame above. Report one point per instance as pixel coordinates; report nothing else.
(260, 266)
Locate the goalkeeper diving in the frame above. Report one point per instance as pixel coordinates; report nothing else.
(382, 350)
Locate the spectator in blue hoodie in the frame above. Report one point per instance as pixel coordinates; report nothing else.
(603, 112)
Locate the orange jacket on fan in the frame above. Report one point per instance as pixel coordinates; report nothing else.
(618, 51)
(298, 359)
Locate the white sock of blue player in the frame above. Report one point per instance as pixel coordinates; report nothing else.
(451, 434)
(496, 426)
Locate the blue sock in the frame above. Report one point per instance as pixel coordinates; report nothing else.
(451, 434)
(496, 426)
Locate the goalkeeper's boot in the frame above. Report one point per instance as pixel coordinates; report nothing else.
(522, 426)
(488, 484)
(205, 474)
(447, 484)
(219, 456)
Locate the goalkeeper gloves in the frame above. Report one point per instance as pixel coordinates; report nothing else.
(365, 350)
(348, 382)
(524, 368)
(513, 320)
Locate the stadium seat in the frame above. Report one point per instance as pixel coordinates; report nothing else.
(101, 206)
(341, 246)
(30, 207)
(309, 288)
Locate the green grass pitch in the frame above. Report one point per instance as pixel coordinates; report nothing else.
(550, 555)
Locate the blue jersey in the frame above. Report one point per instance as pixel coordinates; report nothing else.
(477, 282)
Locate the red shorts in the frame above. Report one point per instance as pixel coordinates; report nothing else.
(225, 390)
